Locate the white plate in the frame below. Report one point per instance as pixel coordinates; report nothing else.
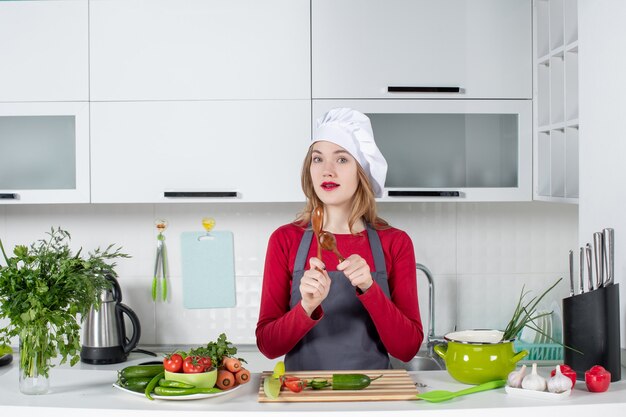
(542, 395)
(179, 397)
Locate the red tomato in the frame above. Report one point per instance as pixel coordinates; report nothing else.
(568, 372)
(192, 365)
(173, 362)
(597, 379)
(294, 384)
(205, 361)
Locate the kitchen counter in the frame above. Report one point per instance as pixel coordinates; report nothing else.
(86, 390)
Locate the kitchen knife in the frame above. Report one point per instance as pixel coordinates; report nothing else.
(571, 273)
(599, 255)
(581, 272)
(589, 268)
(609, 248)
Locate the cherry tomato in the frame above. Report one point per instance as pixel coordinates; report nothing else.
(597, 379)
(173, 362)
(294, 384)
(205, 361)
(192, 365)
(568, 372)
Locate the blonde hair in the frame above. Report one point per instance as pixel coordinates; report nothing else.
(363, 201)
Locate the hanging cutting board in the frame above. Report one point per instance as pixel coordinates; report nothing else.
(208, 268)
(394, 385)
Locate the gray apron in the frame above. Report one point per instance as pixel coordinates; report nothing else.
(345, 338)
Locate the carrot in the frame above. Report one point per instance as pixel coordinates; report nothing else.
(242, 376)
(225, 380)
(232, 364)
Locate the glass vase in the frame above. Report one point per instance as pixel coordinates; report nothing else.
(33, 367)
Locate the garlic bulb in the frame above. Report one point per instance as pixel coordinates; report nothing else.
(559, 382)
(534, 381)
(514, 380)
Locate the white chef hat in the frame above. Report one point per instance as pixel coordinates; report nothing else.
(352, 130)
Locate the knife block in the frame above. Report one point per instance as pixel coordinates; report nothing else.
(591, 325)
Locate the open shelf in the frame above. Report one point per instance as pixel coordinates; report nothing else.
(556, 100)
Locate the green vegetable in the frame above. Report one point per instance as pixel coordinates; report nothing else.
(44, 289)
(525, 315)
(318, 383)
(167, 391)
(351, 381)
(140, 371)
(153, 384)
(135, 384)
(216, 350)
(174, 384)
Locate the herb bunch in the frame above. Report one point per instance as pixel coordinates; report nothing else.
(525, 314)
(216, 350)
(44, 289)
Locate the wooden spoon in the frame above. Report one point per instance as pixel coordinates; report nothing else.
(317, 222)
(328, 242)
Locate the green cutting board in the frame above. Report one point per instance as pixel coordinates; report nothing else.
(208, 267)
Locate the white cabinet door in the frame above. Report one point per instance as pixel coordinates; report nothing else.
(44, 153)
(44, 51)
(360, 48)
(199, 49)
(250, 149)
(450, 150)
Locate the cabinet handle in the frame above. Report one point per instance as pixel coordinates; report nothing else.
(406, 193)
(407, 89)
(196, 194)
(9, 196)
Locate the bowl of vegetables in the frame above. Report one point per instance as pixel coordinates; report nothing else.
(197, 371)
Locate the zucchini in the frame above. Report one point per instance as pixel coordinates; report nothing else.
(140, 371)
(352, 381)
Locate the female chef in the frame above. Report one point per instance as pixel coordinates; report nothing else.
(326, 314)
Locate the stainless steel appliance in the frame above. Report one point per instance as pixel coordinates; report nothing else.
(104, 333)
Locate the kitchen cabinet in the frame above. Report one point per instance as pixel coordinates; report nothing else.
(198, 151)
(360, 49)
(44, 51)
(44, 153)
(556, 130)
(199, 49)
(450, 150)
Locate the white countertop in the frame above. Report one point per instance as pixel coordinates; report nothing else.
(86, 390)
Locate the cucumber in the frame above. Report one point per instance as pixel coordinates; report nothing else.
(352, 381)
(318, 383)
(140, 371)
(135, 384)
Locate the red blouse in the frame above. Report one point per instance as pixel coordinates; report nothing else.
(397, 319)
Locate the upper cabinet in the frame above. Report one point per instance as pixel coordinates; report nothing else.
(198, 151)
(44, 153)
(422, 49)
(556, 130)
(44, 51)
(199, 49)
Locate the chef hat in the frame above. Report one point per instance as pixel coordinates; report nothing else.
(352, 130)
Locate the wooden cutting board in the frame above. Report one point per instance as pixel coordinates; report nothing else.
(394, 385)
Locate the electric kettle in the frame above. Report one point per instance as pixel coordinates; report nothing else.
(104, 334)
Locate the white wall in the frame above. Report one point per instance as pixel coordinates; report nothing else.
(602, 69)
(480, 253)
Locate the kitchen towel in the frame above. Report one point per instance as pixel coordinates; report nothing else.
(208, 268)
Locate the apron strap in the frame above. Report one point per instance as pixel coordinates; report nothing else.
(303, 250)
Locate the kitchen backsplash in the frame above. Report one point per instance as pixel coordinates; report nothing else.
(481, 254)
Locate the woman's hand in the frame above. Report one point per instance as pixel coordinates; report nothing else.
(357, 271)
(314, 286)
